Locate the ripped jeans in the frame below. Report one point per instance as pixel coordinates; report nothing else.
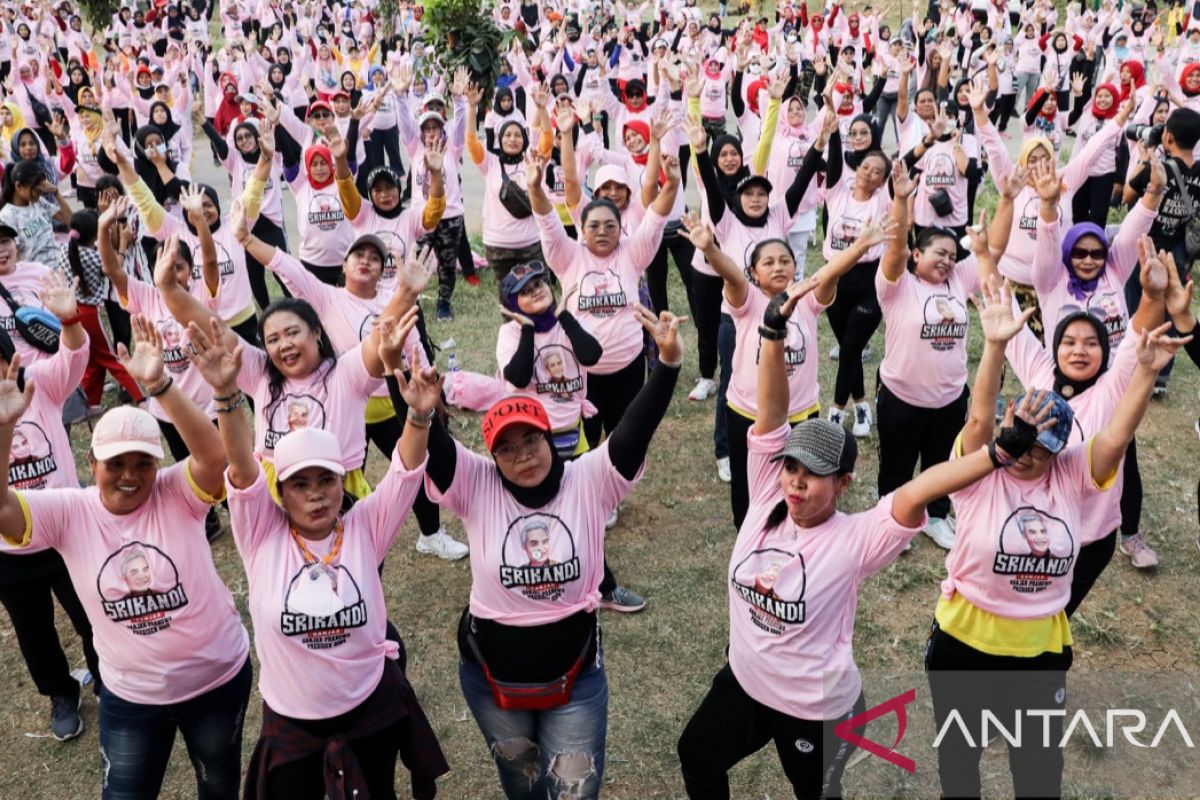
(136, 741)
(543, 754)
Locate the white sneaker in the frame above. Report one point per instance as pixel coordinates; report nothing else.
(723, 469)
(837, 416)
(862, 420)
(835, 352)
(939, 530)
(705, 388)
(612, 519)
(442, 545)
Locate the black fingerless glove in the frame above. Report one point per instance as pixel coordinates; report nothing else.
(773, 317)
(1017, 440)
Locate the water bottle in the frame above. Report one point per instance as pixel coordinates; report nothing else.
(452, 364)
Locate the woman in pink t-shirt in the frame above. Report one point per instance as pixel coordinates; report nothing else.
(172, 647)
(1011, 567)
(328, 670)
(536, 529)
(793, 583)
(770, 268)
(921, 396)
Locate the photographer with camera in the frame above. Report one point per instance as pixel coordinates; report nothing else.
(1177, 227)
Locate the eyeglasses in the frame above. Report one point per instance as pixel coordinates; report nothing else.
(531, 268)
(1094, 253)
(526, 447)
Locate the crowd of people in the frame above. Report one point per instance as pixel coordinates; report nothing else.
(616, 140)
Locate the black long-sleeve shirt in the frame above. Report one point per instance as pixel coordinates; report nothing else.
(519, 369)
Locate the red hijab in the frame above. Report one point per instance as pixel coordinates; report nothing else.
(228, 112)
(1139, 78)
(1114, 93)
(312, 152)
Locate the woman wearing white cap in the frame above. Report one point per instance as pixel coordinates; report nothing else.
(337, 708)
(146, 577)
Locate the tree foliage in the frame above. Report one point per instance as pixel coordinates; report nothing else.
(463, 33)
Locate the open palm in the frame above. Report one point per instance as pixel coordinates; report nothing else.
(13, 401)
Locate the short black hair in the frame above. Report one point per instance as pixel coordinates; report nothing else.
(1184, 127)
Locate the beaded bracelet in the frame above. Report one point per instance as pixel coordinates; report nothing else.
(161, 389)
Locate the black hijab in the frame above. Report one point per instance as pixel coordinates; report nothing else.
(729, 183)
(502, 92)
(542, 494)
(251, 158)
(498, 149)
(1064, 385)
(854, 157)
(168, 128)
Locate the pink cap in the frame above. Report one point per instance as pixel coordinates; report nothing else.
(125, 429)
(611, 173)
(307, 447)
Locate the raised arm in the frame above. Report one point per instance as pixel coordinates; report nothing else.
(412, 277)
(700, 234)
(110, 259)
(192, 200)
(895, 257)
(220, 366)
(773, 392)
(13, 402)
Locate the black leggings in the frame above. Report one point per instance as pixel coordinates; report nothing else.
(384, 143)
(1131, 494)
(31, 609)
(1006, 106)
(118, 320)
(737, 427)
(705, 297)
(854, 317)
(656, 274)
(1092, 200)
(1092, 561)
(730, 725)
(908, 433)
(611, 395)
(272, 234)
(330, 276)
(1013, 684)
(385, 434)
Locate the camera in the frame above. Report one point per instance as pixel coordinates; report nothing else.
(1149, 135)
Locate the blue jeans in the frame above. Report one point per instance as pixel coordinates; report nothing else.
(726, 340)
(136, 741)
(541, 754)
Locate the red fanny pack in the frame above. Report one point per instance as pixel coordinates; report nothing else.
(512, 696)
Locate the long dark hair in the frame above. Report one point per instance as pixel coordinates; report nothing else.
(308, 316)
(84, 225)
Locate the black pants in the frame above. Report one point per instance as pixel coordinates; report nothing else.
(705, 297)
(854, 317)
(1037, 682)
(908, 433)
(31, 610)
(445, 240)
(737, 426)
(118, 320)
(376, 755)
(384, 143)
(1092, 200)
(656, 274)
(466, 259)
(730, 725)
(385, 434)
(1131, 494)
(1006, 106)
(1092, 561)
(330, 276)
(611, 395)
(88, 196)
(272, 234)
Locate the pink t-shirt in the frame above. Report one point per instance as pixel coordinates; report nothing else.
(939, 171)
(608, 287)
(41, 457)
(164, 625)
(1107, 300)
(233, 286)
(332, 398)
(319, 631)
(925, 335)
(325, 235)
(24, 283)
(534, 566)
(803, 383)
(145, 299)
(1017, 540)
(399, 235)
(1093, 409)
(793, 593)
(559, 380)
(500, 228)
(847, 216)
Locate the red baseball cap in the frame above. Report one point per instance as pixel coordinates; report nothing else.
(516, 410)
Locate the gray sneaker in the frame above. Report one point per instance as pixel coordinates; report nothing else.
(65, 722)
(623, 600)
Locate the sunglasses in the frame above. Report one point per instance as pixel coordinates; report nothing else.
(1094, 253)
(320, 115)
(532, 268)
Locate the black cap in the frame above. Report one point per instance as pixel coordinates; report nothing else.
(821, 447)
(383, 173)
(754, 180)
(520, 275)
(8, 231)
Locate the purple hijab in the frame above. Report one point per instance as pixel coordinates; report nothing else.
(1078, 287)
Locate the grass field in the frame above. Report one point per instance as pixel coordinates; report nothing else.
(673, 544)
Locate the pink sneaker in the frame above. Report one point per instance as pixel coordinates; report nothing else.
(1141, 555)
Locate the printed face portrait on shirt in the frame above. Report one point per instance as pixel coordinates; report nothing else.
(293, 412)
(600, 293)
(320, 590)
(556, 372)
(30, 458)
(139, 587)
(939, 172)
(1035, 549)
(397, 247)
(771, 583)
(538, 557)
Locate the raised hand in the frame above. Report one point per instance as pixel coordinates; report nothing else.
(1047, 183)
(338, 147)
(417, 270)
(1179, 295)
(977, 94)
(995, 311)
(796, 291)
(116, 209)
(1016, 181)
(13, 401)
(1153, 274)
(779, 82)
(665, 330)
(670, 168)
(535, 164)
(515, 316)
(1158, 174)
(191, 200)
(266, 138)
(58, 295)
(1034, 410)
(393, 333)
(978, 234)
(873, 233)
(211, 356)
(902, 183)
(564, 119)
(164, 266)
(459, 84)
(696, 231)
(146, 362)
(435, 157)
(697, 137)
(1155, 349)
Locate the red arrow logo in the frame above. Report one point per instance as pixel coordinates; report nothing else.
(897, 705)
